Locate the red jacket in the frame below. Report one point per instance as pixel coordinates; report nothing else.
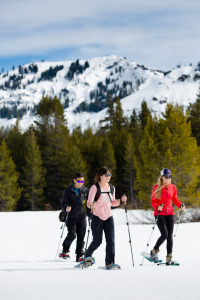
(168, 197)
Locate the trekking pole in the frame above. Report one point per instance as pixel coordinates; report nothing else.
(129, 233)
(63, 228)
(155, 223)
(89, 221)
(178, 223)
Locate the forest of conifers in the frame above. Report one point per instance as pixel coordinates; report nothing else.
(36, 165)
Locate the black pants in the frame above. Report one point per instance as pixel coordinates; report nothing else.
(98, 226)
(76, 227)
(166, 227)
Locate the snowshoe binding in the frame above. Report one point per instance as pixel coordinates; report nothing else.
(151, 258)
(87, 262)
(113, 267)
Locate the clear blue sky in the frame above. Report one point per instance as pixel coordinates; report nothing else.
(155, 33)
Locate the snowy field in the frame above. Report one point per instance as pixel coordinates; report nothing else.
(29, 270)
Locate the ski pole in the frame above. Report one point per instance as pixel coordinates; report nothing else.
(178, 223)
(129, 233)
(156, 220)
(63, 228)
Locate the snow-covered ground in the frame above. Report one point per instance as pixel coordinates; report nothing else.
(29, 270)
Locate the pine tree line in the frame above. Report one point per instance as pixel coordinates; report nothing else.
(37, 165)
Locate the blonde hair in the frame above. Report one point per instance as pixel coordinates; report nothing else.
(159, 188)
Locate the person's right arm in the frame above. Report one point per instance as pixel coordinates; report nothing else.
(91, 196)
(155, 203)
(65, 205)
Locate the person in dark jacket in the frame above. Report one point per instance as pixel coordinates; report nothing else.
(164, 195)
(73, 200)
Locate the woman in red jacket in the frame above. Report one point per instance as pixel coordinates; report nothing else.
(164, 194)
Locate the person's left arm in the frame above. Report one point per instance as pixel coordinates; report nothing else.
(176, 201)
(117, 202)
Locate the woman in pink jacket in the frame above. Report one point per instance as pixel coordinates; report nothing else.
(164, 195)
(102, 220)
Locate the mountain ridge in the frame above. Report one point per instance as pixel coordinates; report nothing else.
(83, 88)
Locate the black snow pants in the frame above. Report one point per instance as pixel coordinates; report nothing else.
(98, 226)
(76, 228)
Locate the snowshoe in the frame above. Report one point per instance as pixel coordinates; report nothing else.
(87, 262)
(169, 263)
(149, 257)
(113, 267)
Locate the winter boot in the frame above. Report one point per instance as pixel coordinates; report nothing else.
(64, 254)
(79, 258)
(154, 254)
(169, 259)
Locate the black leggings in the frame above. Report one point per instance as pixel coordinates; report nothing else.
(166, 227)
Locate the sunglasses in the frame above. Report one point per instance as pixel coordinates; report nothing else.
(80, 181)
(167, 176)
(107, 175)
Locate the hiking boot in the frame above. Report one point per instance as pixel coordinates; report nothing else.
(154, 254)
(79, 258)
(169, 259)
(64, 254)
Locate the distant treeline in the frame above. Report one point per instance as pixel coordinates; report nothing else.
(37, 165)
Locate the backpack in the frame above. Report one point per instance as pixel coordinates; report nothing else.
(98, 194)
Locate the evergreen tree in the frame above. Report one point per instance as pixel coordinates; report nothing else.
(182, 153)
(53, 139)
(118, 137)
(15, 143)
(108, 156)
(10, 192)
(167, 142)
(91, 151)
(194, 118)
(76, 163)
(147, 162)
(2, 134)
(144, 114)
(131, 171)
(34, 174)
(107, 122)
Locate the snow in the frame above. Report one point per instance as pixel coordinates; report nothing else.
(29, 270)
(167, 88)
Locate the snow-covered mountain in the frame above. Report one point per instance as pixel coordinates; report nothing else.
(83, 86)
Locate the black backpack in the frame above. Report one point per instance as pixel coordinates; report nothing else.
(98, 194)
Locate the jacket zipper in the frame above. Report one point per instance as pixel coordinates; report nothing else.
(167, 200)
